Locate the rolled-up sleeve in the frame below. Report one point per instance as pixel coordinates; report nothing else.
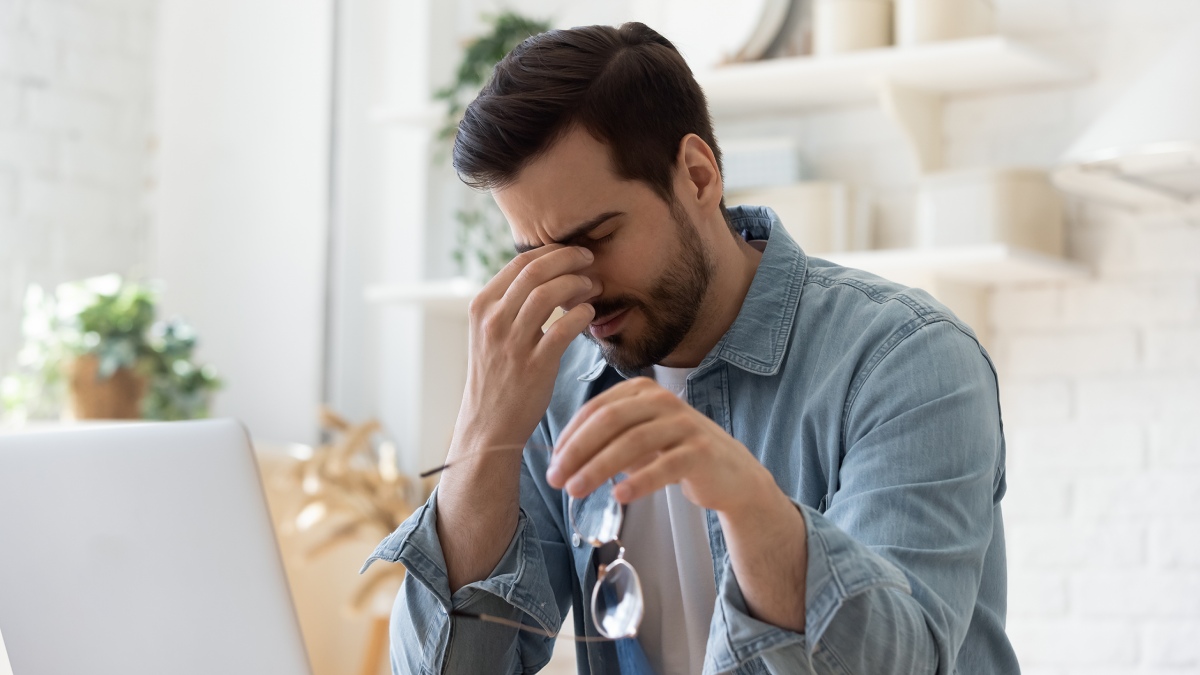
(427, 639)
(896, 559)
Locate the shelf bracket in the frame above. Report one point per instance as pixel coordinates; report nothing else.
(919, 116)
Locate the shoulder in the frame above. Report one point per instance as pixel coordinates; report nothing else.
(861, 302)
(864, 320)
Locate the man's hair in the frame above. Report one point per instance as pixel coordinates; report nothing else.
(628, 87)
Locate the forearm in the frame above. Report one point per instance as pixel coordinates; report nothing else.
(478, 502)
(768, 550)
(511, 369)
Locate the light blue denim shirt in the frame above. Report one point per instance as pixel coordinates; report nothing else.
(877, 411)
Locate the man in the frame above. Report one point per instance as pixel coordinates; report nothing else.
(814, 480)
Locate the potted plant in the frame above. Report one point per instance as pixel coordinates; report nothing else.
(95, 348)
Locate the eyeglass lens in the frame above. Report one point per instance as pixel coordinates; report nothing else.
(597, 517)
(617, 601)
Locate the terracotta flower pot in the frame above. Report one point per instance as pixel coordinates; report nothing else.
(116, 398)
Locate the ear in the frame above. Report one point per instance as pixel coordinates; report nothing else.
(698, 174)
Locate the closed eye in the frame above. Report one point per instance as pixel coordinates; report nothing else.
(600, 241)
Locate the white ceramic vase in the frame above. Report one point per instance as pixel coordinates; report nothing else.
(850, 25)
(922, 21)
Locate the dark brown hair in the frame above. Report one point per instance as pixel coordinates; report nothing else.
(628, 87)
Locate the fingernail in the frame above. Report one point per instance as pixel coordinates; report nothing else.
(587, 254)
(575, 486)
(554, 474)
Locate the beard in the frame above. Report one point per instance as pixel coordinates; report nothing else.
(671, 310)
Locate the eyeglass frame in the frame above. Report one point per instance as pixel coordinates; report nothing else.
(605, 568)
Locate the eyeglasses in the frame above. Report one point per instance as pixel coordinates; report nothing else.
(617, 602)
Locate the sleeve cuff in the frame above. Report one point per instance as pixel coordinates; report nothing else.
(519, 578)
(839, 568)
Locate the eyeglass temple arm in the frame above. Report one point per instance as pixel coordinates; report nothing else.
(532, 629)
(497, 448)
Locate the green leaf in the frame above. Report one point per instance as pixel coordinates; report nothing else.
(509, 29)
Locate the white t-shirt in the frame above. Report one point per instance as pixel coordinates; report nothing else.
(666, 541)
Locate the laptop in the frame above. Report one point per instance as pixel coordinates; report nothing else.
(131, 549)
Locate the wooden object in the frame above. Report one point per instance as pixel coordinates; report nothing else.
(377, 647)
(116, 398)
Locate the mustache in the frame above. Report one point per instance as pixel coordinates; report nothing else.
(612, 306)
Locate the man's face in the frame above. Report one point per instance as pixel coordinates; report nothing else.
(651, 271)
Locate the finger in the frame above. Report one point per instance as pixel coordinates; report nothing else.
(668, 468)
(631, 387)
(565, 260)
(599, 431)
(542, 300)
(556, 339)
(632, 450)
(495, 288)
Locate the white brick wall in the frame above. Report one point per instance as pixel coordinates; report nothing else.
(1100, 384)
(75, 92)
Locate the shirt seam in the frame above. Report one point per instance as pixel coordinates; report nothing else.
(414, 559)
(830, 655)
(840, 590)
(914, 325)
(873, 294)
(443, 653)
(514, 590)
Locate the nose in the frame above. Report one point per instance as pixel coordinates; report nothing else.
(588, 295)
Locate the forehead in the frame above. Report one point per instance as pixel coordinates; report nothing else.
(571, 182)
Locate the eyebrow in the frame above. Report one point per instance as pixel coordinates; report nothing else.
(577, 232)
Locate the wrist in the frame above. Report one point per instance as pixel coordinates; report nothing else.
(760, 498)
(487, 424)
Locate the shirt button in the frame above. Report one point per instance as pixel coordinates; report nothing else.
(576, 540)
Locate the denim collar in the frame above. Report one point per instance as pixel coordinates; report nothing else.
(758, 338)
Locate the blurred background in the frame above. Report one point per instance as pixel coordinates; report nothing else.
(270, 180)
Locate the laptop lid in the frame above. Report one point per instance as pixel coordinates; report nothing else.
(141, 549)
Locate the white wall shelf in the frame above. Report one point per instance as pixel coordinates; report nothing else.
(909, 83)
(980, 265)
(954, 67)
(447, 297)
